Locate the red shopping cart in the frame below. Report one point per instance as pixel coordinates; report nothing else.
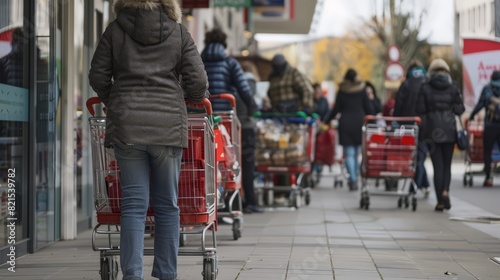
(327, 154)
(196, 196)
(284, 154)
(474, 153)
(390, 152)
(228, 139)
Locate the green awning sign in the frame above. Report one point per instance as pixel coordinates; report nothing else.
(232, 3)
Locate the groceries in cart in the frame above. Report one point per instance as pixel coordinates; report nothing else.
(280, 144)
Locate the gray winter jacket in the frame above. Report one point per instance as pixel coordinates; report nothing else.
(135, 71)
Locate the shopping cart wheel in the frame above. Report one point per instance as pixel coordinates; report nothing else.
(295, 199)
(236, 229)
(400, 202)
(407, 202)
(413, 203)
(307, 197)
(109, 268)
(364, 202)
(465, 180)
(209, 268)
(471, 183)
(182, 240)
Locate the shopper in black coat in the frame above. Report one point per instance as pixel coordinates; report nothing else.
(440, 101)
(406, 106)
(353, 104)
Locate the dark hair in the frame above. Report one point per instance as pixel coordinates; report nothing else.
(369, 84)
(415, 63)
(316, 85)
(17, 36)
(216, 36)
(495, 75)
(350, 75)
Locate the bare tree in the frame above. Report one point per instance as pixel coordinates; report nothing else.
(399, 28)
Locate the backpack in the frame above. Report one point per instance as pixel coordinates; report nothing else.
(493, 109)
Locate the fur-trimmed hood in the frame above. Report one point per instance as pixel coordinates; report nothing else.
(348, 86)
(170, 7)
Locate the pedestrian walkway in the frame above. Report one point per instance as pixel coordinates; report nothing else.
(329, 239)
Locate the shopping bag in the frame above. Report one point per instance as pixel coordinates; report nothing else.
(325, 147)
(462, 141)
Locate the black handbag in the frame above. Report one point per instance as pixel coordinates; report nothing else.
(462, 141)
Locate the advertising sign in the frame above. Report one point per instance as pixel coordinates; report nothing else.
(480, 58)
(274, 10)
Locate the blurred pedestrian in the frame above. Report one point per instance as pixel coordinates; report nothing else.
(225, 75)
(135, 71)
(406, 106)
(490, 100)
(252, 76)
(440, 101)
(372, 96)
(320, 103)
(353, 104)
(289, 89)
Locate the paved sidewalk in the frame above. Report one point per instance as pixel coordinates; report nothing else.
(329, 239)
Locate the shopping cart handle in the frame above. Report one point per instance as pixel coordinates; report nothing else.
(226, 96)
(371, 118)
(204, 104)
(94, 100)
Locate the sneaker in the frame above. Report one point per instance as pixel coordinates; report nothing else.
(252, 209)
(488, 182)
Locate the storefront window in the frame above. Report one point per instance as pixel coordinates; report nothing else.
(14, 116)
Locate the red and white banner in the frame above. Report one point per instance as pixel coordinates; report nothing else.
(480, 58)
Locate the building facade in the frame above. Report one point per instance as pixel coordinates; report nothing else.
(45, 158)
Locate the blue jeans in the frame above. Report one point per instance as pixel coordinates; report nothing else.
(140, 165)
(351, 161)
(421, 179)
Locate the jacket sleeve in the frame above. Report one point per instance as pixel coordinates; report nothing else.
(335, 110)
(421, 101)
(304, 88)
(399, 100)
(458, 104)
(480, 104)
(192, 69)
(101, 66)
(240, 82)
(367, 105)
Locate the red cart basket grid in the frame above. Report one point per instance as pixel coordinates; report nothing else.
(196, 195)
(390, 152)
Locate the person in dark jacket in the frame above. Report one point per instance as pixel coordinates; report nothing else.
(491, 131)
(440, 101)
(289, 89)
(225, 75)
(320, 103)
(372, 96)
(353, 104)
(136, 72)
(406, 106)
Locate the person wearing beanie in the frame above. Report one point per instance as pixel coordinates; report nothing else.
(352, 103)
(289, 89)
(137, 68)
(406, 105)
(491, 131)
(439, 101)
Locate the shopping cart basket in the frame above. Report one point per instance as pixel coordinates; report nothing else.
(196, 195)
(474, 153)
(390, 152)
(228, 139)
(284, 154)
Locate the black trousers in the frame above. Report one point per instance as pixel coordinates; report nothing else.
(441, 156)
(491, 135)
(248, 165)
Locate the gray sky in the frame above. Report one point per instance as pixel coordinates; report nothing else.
(339, 15)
